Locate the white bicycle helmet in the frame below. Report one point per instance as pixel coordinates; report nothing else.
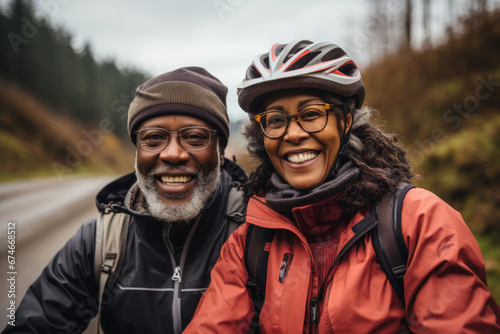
(300, 64)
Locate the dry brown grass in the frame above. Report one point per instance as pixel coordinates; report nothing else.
(35, 141)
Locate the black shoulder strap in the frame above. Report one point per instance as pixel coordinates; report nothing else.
(387, 238)
(257, 248)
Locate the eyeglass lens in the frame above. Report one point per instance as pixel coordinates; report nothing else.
(190, 138)
(311, 118)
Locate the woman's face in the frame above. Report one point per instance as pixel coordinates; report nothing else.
(303, 159)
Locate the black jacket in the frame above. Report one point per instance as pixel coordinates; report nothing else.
(145, 298)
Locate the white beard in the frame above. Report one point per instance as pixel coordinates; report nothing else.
(205, 186)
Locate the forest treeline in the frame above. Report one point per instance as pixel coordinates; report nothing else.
(41, 59)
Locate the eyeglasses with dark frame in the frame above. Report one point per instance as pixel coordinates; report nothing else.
(311, 118)
(191, 138)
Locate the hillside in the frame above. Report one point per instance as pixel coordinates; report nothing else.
(70, 81)
(36, 142)
(445, 103)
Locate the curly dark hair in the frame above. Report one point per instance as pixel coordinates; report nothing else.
(381, 160)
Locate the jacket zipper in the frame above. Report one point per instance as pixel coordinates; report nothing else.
(365, 225)
(317, 299)
(177, 275)
(314, 310)
(285, 265)
(177, 278)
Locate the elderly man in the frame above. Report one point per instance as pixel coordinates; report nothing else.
(169, 220)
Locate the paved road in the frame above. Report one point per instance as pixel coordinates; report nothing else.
(46, 212)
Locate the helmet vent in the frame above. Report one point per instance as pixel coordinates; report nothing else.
(279, 48)
(296, 49)
(349, 69)
(335, 53)
(252, 73)
(304, 61)
(265, 60)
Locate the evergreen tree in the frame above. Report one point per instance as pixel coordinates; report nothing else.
(41, 59)
(4, 44)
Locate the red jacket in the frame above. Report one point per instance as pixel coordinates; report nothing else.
(445, 284)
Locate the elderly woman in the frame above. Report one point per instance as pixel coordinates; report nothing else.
(323, 167)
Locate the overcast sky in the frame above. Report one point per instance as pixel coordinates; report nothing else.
(221, 35)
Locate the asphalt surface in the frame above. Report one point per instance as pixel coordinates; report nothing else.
(37, 217)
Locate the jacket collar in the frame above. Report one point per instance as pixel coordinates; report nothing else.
(124, 195)
(260, 213)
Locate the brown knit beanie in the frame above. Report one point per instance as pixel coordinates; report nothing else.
(190, 91)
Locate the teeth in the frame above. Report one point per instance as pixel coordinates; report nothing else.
(176, 179)
(301, 157)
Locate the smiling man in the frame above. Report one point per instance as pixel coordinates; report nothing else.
(178, 204)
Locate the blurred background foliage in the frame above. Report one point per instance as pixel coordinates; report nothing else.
(63, 112)
(444, 102)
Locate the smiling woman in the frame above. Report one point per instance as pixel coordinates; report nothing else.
(303, 163)
(324, 169)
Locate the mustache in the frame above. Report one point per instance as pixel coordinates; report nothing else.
(171, 168)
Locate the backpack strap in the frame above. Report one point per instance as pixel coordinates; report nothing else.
(110, 245)
(387, 238)
(235, 208)
(257, 246)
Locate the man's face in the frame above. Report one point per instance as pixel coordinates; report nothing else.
(176, 182)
